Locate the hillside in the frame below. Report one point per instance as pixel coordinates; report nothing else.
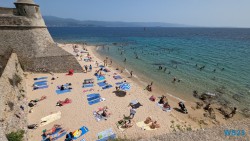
(52, 21)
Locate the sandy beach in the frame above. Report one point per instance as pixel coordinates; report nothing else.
(79, 113)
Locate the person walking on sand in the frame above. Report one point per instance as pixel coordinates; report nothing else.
(86, 68)
(97, 64)
(131, 74)
(90, 67)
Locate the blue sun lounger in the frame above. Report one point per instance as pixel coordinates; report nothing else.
(107, 87)
(117, 77)
(40, 78)
(101, 84)
(97, 100)
(91, 97)
(88, 85)
(41, 87)
(119, 83)
(41, 82)
(63, 91)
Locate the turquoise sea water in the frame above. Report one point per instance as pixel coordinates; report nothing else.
(227, 51)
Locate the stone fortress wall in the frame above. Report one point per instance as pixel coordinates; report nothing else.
(24, 31)
(12, 96)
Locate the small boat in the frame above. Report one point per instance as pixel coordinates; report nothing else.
(210, 94)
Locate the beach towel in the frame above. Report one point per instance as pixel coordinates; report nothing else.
(98, 117)
(144, 126)
(101, 84)
(50, 118)
(106, 135)
(41, 87)
(164, 109)
(40, 78)
(117, 77)
(88, 85)
(63, 91)
(97, 100)
(58, 136)
(107, 87)
(135, 104)
(80, 132)
(40, 82)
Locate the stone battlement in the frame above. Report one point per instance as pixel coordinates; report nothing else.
(24, 31)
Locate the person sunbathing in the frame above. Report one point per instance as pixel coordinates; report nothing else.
(127, 124)
(163, 99)
(148, 120)
(50, 138)
(154, 125)
(52, 130)
(61, 103)
(62, 88)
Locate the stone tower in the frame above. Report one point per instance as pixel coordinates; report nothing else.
(23, 30)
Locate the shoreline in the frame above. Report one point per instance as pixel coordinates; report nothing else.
(79, 113)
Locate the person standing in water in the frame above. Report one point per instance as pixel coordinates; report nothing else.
(110, 61)
(131, 74)
(165, 69)
(125, 60)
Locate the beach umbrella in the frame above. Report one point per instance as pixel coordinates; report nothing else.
(125, 87)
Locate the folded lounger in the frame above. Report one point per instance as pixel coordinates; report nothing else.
(88, 85)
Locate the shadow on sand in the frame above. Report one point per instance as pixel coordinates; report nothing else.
(120, 93)
(178, 110)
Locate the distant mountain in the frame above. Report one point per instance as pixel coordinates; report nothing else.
(52, 21)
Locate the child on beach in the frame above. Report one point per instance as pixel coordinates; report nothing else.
(90, 67)
(132, 112)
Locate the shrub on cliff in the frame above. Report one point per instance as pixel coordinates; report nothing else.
(16, 79)
(15, 136)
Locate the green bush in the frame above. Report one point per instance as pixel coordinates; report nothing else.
(15, 136)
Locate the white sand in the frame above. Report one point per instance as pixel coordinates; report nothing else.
(79, 113)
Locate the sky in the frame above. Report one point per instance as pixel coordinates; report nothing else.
(208, 13)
